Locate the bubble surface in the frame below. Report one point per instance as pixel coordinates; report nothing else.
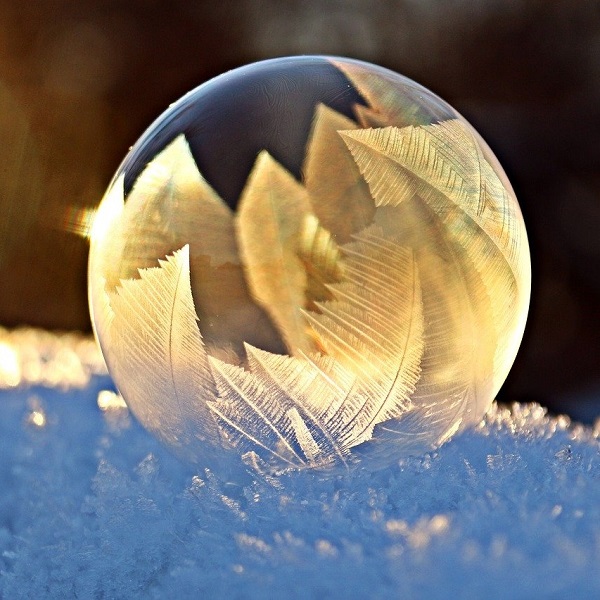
(309, 262)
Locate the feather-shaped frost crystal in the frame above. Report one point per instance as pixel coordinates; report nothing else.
(305, 263)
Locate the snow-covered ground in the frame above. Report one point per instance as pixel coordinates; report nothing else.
(92, 507)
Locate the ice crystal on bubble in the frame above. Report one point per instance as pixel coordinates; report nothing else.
(309, 262)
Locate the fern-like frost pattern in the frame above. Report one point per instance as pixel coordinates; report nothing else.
(368, 308)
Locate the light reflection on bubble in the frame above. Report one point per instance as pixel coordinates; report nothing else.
(78, 220)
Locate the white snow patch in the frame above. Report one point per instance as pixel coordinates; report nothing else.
(92, 507)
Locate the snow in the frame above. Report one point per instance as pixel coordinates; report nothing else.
(91, 506)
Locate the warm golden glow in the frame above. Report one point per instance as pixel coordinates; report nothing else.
(37, 418)
(108, 401)
(79, 220)
(421, 533)
(380, 293)
(108, 212)
(10, 366)
(37, 415)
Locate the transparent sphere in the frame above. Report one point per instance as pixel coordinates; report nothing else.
(309, 262)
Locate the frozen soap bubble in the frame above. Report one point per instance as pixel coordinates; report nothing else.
(307, 262)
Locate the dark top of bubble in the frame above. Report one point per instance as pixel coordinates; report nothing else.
(267, 105)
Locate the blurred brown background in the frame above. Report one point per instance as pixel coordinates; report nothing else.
(81, 80)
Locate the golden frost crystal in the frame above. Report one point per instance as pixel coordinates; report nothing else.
(309, 262)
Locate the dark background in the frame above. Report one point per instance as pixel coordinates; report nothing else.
(81, 80)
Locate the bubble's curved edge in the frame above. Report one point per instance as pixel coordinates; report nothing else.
(394, 77)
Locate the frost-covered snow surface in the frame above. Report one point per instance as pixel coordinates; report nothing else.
(92, 507)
